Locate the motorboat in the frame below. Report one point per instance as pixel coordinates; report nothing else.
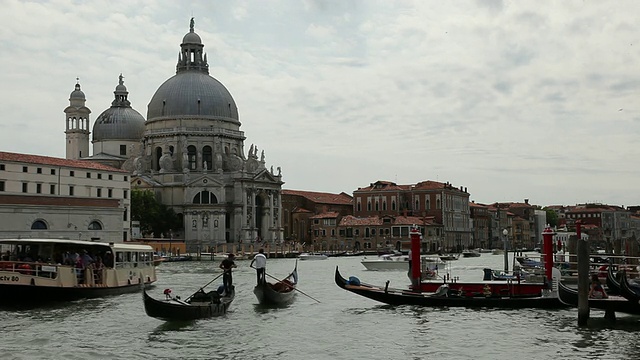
(397, 262)
(313, 256)
(470, 253)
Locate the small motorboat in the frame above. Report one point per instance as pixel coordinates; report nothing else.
(470, 253)
(313, 256)
(198, 306)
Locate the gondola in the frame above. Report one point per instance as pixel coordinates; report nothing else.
(280, 293)
(569, 296)
(198, 306)
(629, 291)
(446, 297)
(613, 285)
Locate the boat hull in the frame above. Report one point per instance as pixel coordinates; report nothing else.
(393, 296)
(569, 296)
(28, 294)
(176, 310)
(281, 293)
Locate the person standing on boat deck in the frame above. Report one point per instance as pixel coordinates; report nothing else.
(261, 266)
(226, 265)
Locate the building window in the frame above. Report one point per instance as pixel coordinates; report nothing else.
(125, 194)
(39, 225)
(39, 170)
(70, 190)
(25, 169)
(1, 185)
(110, 193)
(125, 215)
(205, 197)
(53, 171)
(123, 149)
(124, 236)
(126, 178)
(99, 192)
(99, 176)
(110, 177)
(72, 173)
(393, 205)
(88, 175)
(52, 189)
(191, 157)
(206, 157)
(94, 225)
(24, 187)
(2, 167)
(38, 188)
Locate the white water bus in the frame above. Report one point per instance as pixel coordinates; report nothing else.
(44, 270)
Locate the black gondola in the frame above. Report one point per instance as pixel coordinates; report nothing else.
(569, 296)
(613, 285)
(629, 291)
(200, 305)
(445, 297)
(280, 293)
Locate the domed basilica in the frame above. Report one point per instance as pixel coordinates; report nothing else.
(189, 151)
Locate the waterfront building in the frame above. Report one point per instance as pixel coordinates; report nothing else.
(310, 216)
(447, 205)
(49, 197)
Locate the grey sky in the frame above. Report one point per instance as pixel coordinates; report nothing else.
(511, 99)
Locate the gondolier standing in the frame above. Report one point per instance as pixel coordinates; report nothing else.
(226, 265)
(261, 264)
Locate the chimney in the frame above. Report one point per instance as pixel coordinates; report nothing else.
(526, 201)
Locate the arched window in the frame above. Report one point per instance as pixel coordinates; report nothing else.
(156, 161)
(39, 225)
(94, 225)
(191, 152)
(206, 157)
(205, 197)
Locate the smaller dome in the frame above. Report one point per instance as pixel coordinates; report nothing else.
(118, 123)
(192, 38)
(121, 87)
(77, 93)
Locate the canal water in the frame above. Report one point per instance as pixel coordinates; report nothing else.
(340, 326)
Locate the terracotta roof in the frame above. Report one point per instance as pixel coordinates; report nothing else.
(321, 197)
(384, 186)
(326, 215)
(351, 220)
(51, 161)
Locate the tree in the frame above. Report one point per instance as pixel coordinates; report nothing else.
(154, 217)
(552, 217)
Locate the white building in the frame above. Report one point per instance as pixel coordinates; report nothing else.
(49, 197)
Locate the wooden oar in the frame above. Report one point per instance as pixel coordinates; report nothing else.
(202, 288)
(296, 289)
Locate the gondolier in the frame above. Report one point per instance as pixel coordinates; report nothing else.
(226, 265)
(260, 261)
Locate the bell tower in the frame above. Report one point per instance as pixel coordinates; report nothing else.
(77, 128)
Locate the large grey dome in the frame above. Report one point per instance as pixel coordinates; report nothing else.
(120, 121)
(192, 93)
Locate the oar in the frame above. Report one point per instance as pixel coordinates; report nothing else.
(202, 288)
(296, 289)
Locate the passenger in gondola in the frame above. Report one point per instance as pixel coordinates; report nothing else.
(227, 278)
(596, 291)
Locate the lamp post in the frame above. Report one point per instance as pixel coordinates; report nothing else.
(505, 232)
